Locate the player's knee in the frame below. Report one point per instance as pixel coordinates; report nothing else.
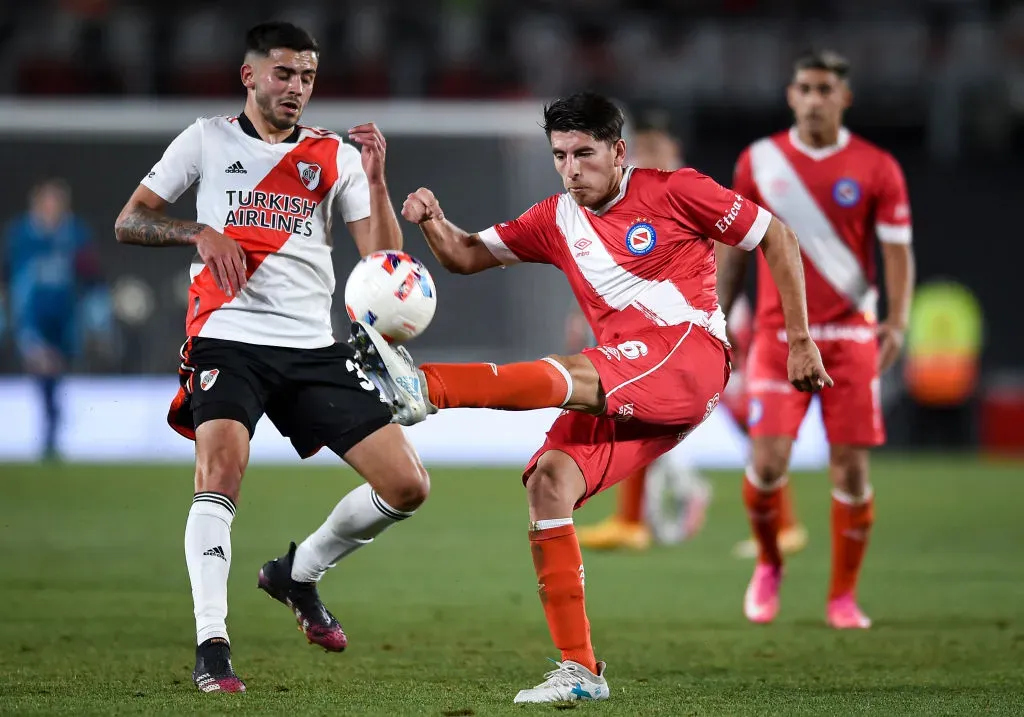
(849, 469)
(770, 459)
(408, 490)
(220, 471)
(551, 493)
(770, 469)
(222, 452)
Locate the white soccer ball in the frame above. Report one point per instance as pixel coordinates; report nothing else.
(392, 292)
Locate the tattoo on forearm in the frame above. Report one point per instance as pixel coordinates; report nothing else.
(148, 228)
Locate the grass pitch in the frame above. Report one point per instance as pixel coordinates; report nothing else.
(442, 613)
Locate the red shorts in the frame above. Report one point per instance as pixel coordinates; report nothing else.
(851, 409)
(659, 385)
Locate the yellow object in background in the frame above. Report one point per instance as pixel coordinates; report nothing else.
(944, 342)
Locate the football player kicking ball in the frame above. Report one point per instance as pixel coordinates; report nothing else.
(839, 192)
(259, 331)
(636, 246)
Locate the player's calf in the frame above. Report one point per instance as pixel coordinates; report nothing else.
(852, 518)
(551, 382)
(221, 456)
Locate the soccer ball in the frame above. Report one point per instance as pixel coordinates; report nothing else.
(392, 292)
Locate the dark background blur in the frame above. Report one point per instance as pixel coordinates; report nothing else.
(940, 84)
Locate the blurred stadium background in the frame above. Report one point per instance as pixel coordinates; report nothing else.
(91, 91)
(94, 89)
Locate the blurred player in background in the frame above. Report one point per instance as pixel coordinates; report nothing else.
(51, 262)
(641, 505)
(260, 339)
(840, 193)
(635, 246)
(792, 534)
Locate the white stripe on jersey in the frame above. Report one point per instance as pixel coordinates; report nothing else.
(497, 247)
(819, 240)
(757, 230)
(660, 301)
(894, 233)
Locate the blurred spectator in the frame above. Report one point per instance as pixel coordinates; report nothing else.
(655, 142)
(53, 272)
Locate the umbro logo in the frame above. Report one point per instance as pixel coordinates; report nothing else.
(235, 168)
(217, 552)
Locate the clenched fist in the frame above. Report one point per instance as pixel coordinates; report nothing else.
(421, 206)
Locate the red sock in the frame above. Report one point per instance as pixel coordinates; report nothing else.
(851, 526)
(559, 565)
(763, 509)
(513, 386)
(787, 517)
(631, 497)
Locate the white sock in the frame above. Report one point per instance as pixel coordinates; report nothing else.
(208, 556)
(355, 521)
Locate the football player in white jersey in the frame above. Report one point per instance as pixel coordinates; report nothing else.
(259, 338)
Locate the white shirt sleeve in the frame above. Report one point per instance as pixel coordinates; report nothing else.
(180, 166)
(353, 197)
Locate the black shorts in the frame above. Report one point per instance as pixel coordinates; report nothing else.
(315, 397)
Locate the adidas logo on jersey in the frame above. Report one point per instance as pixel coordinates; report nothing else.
(235, 168)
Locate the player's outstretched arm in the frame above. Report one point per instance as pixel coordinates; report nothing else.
(457, 251)
(142, 221)
(782, 252)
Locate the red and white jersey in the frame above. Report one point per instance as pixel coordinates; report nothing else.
(838, 200)
(645, 258)
(276, 201)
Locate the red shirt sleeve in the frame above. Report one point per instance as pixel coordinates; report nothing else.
(527, 238)
(716, 212)
(892, 204)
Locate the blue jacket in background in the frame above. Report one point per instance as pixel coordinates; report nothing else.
(45, 271)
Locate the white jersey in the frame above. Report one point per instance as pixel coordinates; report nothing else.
(276, 201)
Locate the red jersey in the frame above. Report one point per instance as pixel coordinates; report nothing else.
(644, 259)
(838, 200)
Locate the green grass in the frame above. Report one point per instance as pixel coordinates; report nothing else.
(443, 617)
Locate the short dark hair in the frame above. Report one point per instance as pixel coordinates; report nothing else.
(266, 36)
(587, 112)
(827, 60)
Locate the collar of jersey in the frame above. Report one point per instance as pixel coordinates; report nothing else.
(820, 152)
(627, 171)
(245, 124)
